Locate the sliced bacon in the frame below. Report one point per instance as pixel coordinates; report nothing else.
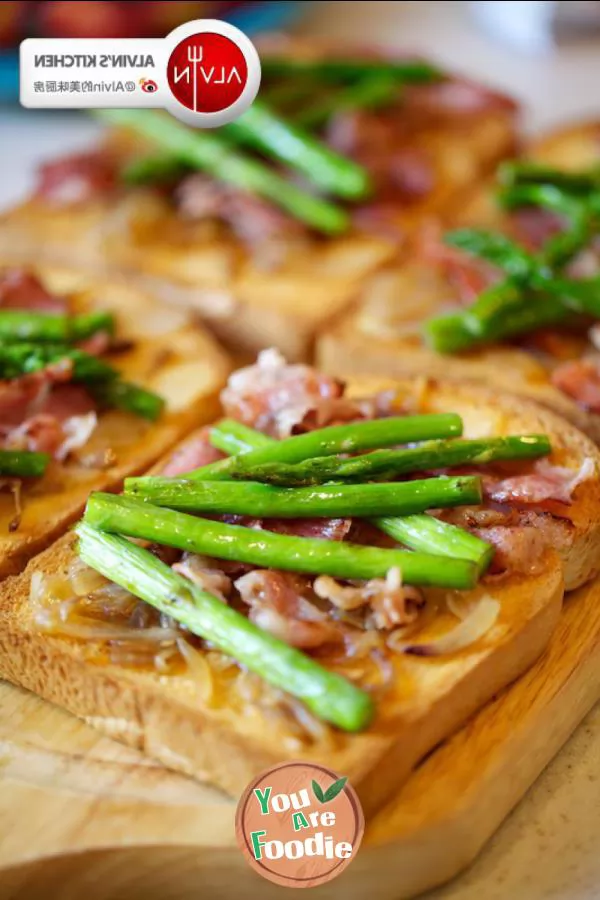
(204, 573)
(25, 396)
(195, 452)
(519, 548)
(277, 605)
(278, 398)
(533, 226)
(559, 346)
(67, 400)
(64, 421)
(468, 275)
(412, 172)
(251, 218)
(546, 482)
(580, 379)
(20, 289)
(97, 344)
(326, 529)
(77, 178)
(391, 603)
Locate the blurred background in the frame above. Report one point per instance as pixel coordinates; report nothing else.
(546, 53)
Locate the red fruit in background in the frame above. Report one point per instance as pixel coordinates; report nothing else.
(74, 18)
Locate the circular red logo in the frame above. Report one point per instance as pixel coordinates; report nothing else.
(207, 72)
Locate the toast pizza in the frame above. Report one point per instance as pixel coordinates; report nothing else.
(271, 270)
(367, 673)
(79, 416)
(553, 358)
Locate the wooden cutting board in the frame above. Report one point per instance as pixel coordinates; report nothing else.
(81, 815)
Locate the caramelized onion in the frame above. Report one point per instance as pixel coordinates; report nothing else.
(474, 626)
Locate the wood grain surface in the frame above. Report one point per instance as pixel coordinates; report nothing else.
(83, 816)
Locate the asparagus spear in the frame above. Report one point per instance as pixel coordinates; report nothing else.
(22, 463)
(407, 71)
(373, 91)
(479, 322)
(136, 518)
(328, 695)
(451, 334)
(289, 92)
(262, 129)
(155, 168)
(22, 325)
(386, 464)
(527, 172)
(24, 358)
(265, 501)
(426, 533)
(493, 247)
(100, 378)
(342, 439)
(232, 437)
(211, 153)
(418, 531)
(117, 394)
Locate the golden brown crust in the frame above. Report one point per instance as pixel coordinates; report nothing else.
(429, 698)
(170, 356)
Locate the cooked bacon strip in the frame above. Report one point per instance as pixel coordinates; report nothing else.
(327, 529)
(250, 217)
(467, 275)
(277, 604)
(196, 451)
(533, 226)
(77, 178)
(401, 171)
(97, 344)
(391, 603)
(277, 398)
(63, 421)
(203, 572)
(24, 396)
(580, 379)
(546, 482)
(520, 548)
(20, 289)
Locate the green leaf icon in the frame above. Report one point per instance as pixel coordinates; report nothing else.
(334, 789)
(317, 791)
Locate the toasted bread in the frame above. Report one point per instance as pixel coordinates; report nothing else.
(383, 334)
(250, 297)
(170, 355)
(170, 718)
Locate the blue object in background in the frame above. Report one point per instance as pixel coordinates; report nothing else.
(252, 18)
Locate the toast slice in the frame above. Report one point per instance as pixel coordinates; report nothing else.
(170, 355)
(283, 288)
(383, 333)
(228, 727)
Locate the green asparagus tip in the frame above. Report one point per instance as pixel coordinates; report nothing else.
(448, 334)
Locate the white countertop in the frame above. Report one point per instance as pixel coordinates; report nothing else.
(548, 849)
